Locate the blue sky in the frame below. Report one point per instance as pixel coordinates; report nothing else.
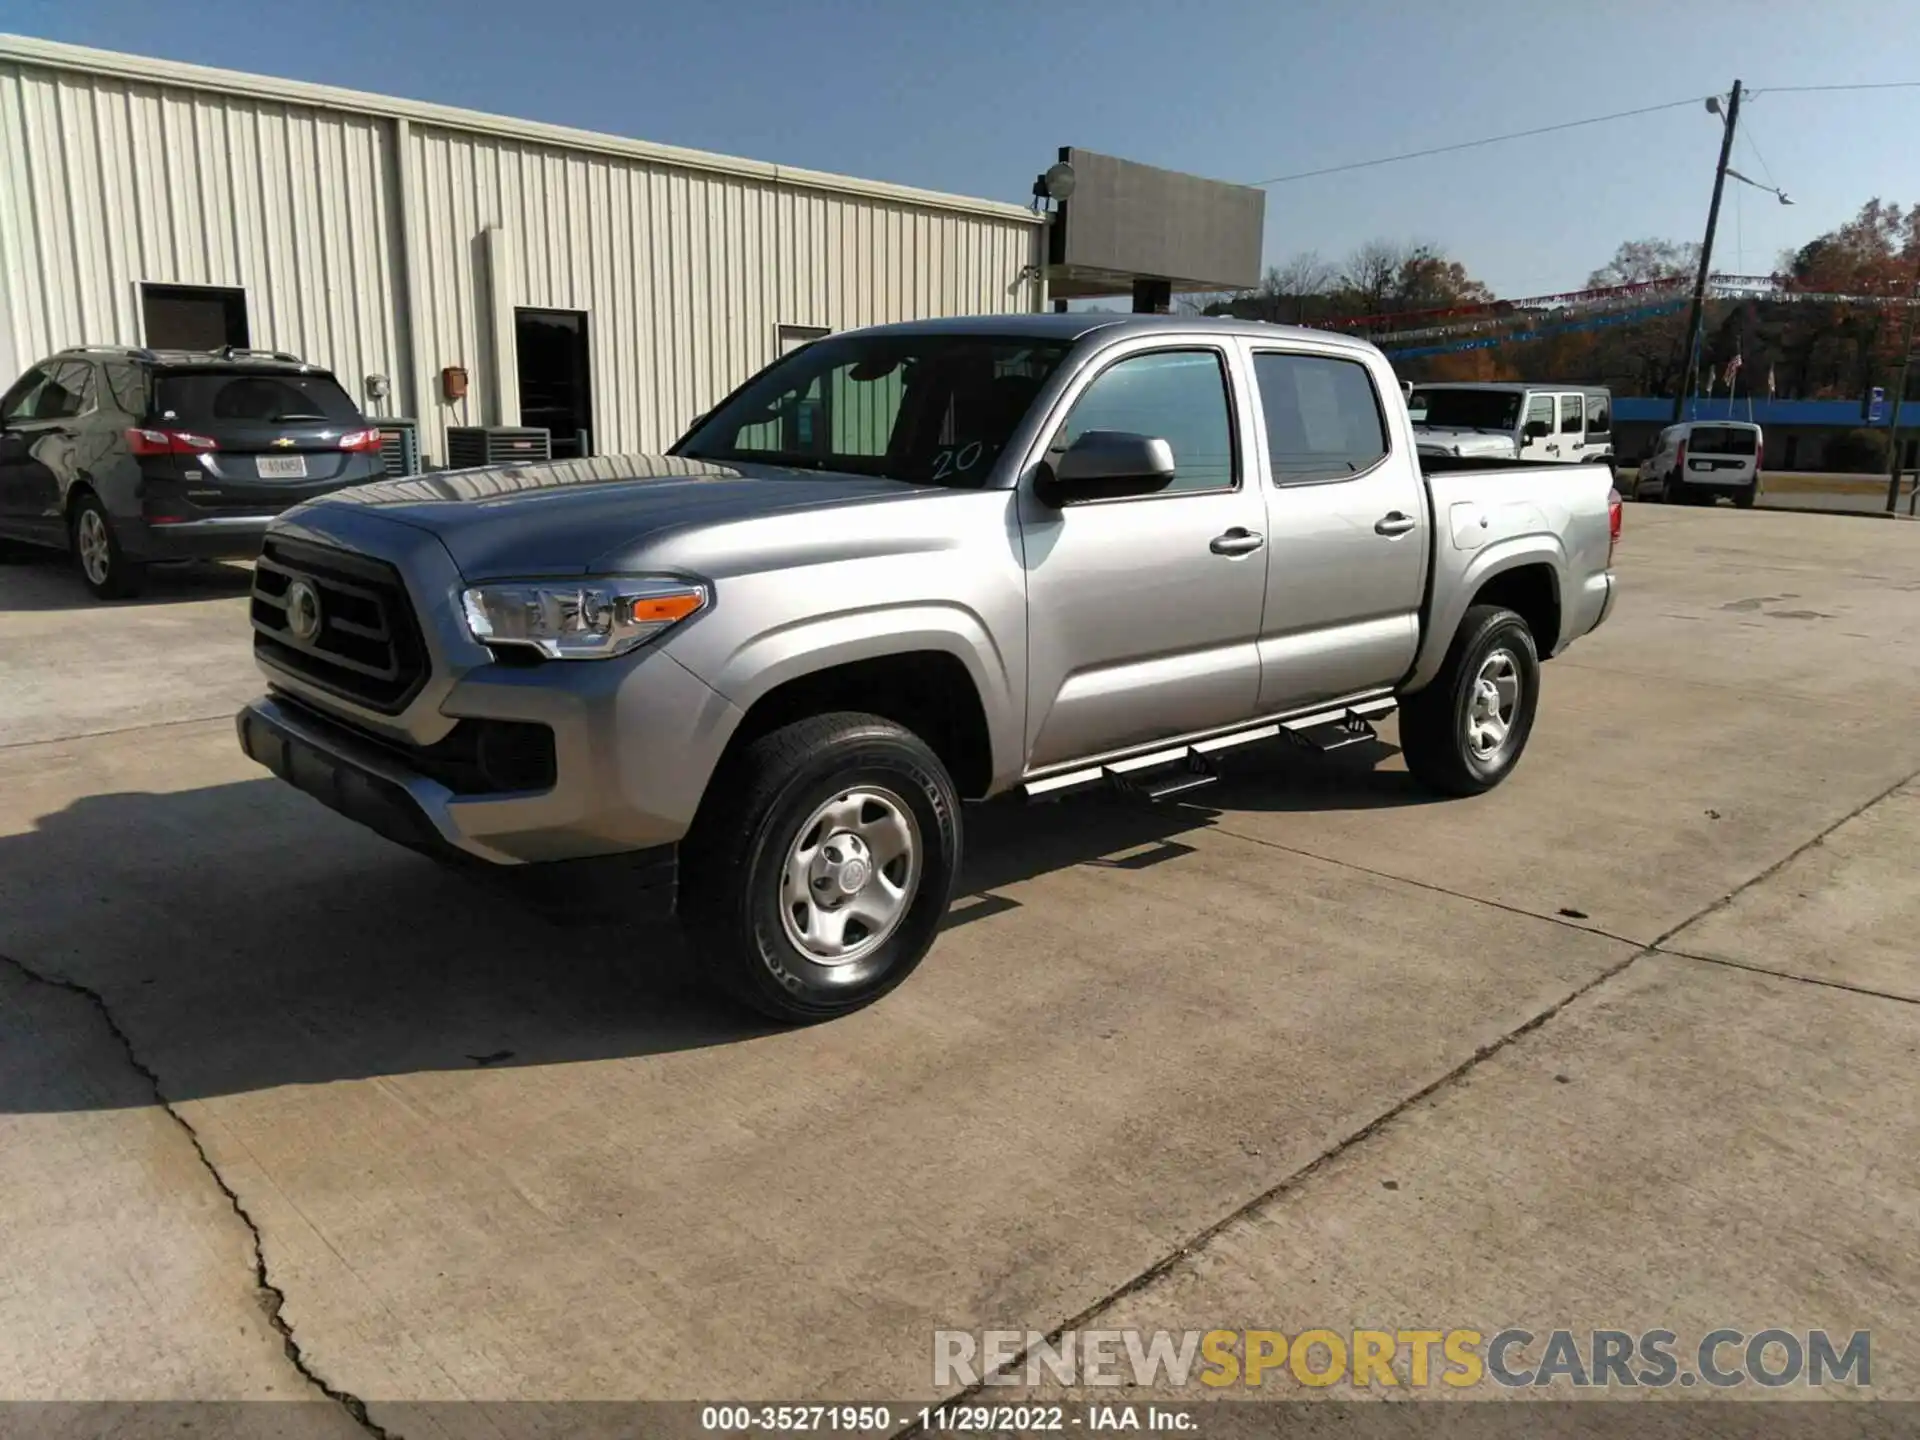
(974, 96)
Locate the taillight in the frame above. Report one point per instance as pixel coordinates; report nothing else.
(1615, 513)
(168, 442)
(1680, 455)
(360, 440)
(1759, 455)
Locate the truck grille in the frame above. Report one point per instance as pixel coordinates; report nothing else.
(366, 646)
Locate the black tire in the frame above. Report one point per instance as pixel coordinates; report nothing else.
(1745, 498)
(733, 865)
(1434, 722)
(109, 574)
(1673, 490)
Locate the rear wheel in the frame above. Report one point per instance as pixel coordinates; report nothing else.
(104, 567)
(817, 873)
(1466, 730)
(1673, 490)
(1745, 498)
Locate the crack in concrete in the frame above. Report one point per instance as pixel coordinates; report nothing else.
(1482, 1053)
(275, 1296)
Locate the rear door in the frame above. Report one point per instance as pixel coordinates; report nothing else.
(1573, 428)
(1722, 455)
(37, 445)
(272, 433)
(1143, 614)
(1346, 529)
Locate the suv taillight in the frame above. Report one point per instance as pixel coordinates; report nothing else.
(360, 440)
(1680, 456)
(1615, 513)
(168, 442)
(1759, 454)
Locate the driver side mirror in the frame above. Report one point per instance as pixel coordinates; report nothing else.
(1537, 430)
(1108, 465)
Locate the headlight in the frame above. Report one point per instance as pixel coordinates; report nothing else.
(579, 619)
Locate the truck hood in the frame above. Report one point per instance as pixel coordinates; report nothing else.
(576, 517)
(1459, 440)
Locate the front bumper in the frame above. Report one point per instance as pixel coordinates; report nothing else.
(366, 782)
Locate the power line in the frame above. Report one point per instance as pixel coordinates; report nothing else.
(1475, 144)
(1818, 89)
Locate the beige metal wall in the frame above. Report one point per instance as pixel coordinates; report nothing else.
(378, 236)
(104, 185)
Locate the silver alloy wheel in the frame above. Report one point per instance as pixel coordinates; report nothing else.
(96, 551)
(851, 875)
(1493, 707)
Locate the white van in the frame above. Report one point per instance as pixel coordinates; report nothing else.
(1699, 460)
(1544, 424)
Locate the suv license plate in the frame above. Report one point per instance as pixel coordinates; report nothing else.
(283, 467)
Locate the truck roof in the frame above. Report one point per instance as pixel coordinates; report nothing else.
(1073, 325)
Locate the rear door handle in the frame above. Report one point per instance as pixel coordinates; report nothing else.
(1394, 523)
(1237, 541)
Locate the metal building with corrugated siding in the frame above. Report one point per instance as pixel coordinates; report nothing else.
(629, 286)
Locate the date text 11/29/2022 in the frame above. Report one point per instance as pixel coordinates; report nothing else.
(947, 1419)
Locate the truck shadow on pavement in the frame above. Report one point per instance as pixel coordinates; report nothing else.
(244, 938)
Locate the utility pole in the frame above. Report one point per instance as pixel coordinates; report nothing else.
(1706, 250)
(1899, 394)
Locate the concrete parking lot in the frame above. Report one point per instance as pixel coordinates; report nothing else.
(1630, 1041)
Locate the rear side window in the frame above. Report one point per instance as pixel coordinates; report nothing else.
(1599, 415)
(1179, 396)
(1571, 415)
(1322, 415)
(214, 397)
(1721, 440)
(128, 387)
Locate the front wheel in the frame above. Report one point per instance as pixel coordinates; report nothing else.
(1464, 732)
(817, 873)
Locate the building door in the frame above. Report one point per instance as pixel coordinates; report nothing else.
(556, 389)
(193, 317)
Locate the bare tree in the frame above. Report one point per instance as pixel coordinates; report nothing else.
(1368, 278)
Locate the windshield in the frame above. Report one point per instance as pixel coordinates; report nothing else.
(208, 397)
(928, 409)
(1466, 409)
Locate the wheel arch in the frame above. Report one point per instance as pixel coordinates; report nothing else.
(1526, 574)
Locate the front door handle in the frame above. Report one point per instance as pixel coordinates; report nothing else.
(1237, 541)
(1394, 523)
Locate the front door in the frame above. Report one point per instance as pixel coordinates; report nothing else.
(1346, 532)
(1539, 431)
(1143, 614)
(556, 389)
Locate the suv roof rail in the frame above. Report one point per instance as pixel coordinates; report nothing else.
(138, 352)
(241, 352)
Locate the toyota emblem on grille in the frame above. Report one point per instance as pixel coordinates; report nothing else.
(303, 611)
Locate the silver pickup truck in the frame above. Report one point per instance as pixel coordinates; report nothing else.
(898, 569)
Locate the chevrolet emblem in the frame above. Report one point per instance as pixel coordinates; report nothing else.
(285, 442)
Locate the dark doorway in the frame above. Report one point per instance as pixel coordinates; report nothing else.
(556, 389)
(193, 317)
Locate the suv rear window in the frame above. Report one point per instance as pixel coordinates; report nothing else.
(213, 397)
(1721, 440)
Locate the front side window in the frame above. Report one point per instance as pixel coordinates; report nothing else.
(1572, 416)
(1322, 417)
(929, 409)
(1179, 396)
